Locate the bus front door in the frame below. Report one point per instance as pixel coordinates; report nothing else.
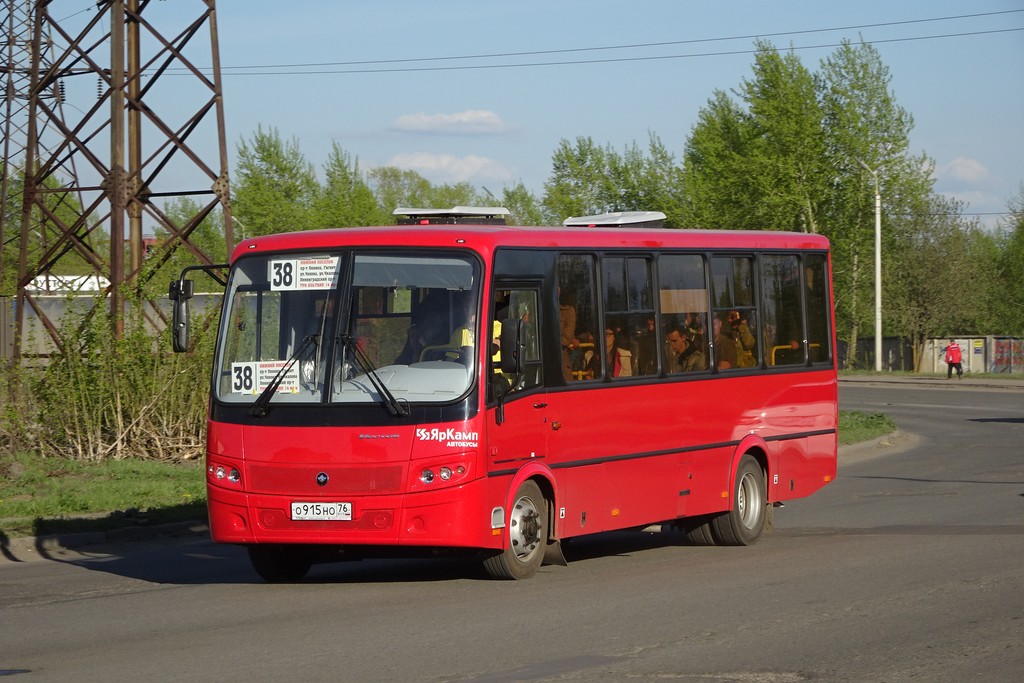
(517, 420)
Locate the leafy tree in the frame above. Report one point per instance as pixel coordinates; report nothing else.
(661, 184)
(395, 187)
(867, 138)
(459, 194)
(803, 152)
(785, 158)
(716, 190)
(1007, 302)
(936, 283)
(579, 184)
(274, 186)
(759, 167)
(587, 180)
(346, 199)
(524, 208)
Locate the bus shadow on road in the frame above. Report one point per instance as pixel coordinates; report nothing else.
(200, 561)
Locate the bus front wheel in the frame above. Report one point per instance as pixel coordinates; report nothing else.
(280, 563)
(526, 538)
(743, 524)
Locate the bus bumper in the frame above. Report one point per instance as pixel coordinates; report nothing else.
(452, 517)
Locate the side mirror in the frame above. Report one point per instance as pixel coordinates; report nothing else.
(179, 293)
(511, 342)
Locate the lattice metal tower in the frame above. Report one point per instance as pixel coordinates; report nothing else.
(14, 81)
(118, 120)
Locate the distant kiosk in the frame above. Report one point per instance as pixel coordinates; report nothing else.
(457, 215)
(618, 219)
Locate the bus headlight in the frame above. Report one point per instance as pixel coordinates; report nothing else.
(436, 475)
(223, 474)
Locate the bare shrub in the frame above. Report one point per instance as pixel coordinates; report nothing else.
(103, 397)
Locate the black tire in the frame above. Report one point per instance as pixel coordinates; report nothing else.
(280, 563)
(743, 524)
(698, 530)
(527, 527)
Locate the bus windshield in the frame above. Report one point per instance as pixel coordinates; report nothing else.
(349, 328)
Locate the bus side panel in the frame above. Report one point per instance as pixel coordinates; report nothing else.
(804, 466)
(619, 455)
(631, 484)
(710, 490)
(638, 454)
(583, 492)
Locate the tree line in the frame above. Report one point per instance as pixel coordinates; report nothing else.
(786, 149)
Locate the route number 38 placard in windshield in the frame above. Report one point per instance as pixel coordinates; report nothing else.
(303, 273)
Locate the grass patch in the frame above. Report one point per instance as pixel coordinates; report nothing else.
(855, 427)
(40, 496)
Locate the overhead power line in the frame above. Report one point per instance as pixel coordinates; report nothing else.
(648, 58)
(318, 68)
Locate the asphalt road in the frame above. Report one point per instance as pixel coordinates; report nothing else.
(907, 567)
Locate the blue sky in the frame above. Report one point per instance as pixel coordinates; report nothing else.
(497, 124)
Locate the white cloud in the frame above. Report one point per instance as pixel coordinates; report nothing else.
(469, 122)
(449, 168)
(963, 170)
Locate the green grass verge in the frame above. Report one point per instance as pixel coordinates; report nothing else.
(40, 496)
(855, 427)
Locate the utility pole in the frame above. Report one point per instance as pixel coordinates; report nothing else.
(103, 166)
(878, 266)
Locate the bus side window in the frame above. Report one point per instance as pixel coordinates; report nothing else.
(512, 307)
(734, 334)
(819, 336)
(783, 321)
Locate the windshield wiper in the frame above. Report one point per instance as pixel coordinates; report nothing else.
(397, 409)
(261, 406)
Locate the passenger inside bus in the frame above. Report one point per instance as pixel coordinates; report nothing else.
(462, 339)
(724, 343)
(743, 339)
(567, 325)
(427, 327)
(618, 355)
(687, 355)
(647, 348)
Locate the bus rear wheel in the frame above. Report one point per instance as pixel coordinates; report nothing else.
(527, 536)
(698, 529)
(743, 524)
(280, 563)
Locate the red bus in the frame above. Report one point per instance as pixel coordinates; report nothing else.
(455, 384)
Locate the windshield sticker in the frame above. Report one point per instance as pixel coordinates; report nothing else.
(253, 378)
(303, 273)
(451, 437)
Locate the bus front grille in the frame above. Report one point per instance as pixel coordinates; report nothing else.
(355, 480)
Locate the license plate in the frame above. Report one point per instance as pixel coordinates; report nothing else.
(341, 512)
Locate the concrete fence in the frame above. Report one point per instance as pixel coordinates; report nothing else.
(996, 355)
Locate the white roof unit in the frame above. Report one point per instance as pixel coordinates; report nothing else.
(618, 219)
(488, 215)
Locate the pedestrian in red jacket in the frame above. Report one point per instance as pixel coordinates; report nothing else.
(953, 360)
